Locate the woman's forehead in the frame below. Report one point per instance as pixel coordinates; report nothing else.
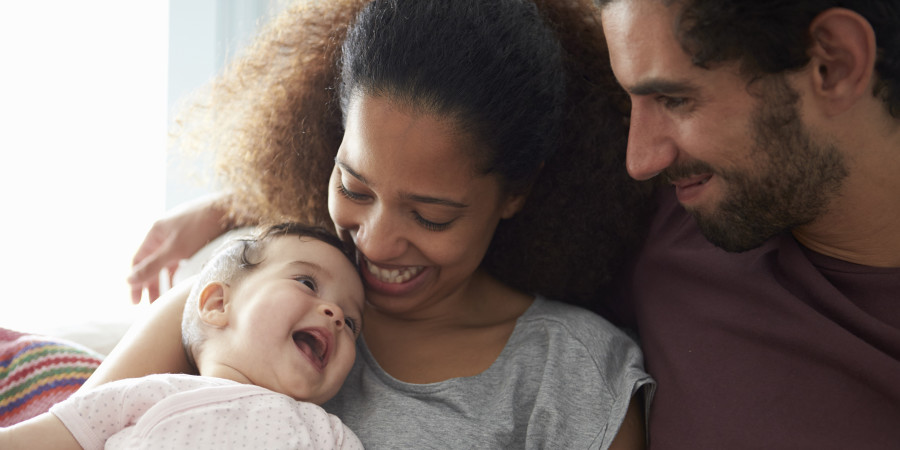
(382, 135)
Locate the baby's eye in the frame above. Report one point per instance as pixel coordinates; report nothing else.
(308, 282)
(351, 324)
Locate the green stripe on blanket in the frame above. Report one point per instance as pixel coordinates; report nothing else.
(38, 371)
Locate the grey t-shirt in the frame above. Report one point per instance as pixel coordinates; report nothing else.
(564, 380)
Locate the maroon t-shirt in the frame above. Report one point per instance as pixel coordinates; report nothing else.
(778, 347)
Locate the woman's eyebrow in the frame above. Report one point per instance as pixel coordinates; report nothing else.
(435, 201)
(352, 172)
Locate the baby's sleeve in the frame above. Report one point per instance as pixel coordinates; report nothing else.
(348, 439)
(95, 415)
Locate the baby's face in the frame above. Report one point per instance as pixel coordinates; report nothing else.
(295, 319)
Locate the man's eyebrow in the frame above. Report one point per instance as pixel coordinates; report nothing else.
(659, 86)
(412, 197)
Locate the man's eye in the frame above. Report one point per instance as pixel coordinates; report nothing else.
(673, 102)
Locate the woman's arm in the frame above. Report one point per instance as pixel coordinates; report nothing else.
(42, 432)
(179, 235)
(631, 434)
(153, 345)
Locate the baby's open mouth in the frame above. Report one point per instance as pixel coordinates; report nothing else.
(314, 345)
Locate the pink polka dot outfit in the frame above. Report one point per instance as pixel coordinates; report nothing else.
(176, 411)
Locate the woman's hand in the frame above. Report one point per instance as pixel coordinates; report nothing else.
(175, 237)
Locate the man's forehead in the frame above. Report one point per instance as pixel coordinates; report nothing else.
(639, 19)
(642, 42)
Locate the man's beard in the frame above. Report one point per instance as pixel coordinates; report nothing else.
(791, 184)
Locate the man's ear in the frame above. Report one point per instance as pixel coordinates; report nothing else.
(214, 304)
(843, 56)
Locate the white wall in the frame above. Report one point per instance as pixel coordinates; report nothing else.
(86, 89)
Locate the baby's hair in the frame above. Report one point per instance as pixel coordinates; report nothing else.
(236, 259)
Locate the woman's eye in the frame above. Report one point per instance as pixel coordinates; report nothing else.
(348, 193)
(432, 226)
(308, 282)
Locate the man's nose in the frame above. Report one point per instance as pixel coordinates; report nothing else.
(651, 148)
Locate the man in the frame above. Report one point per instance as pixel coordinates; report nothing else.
(767, 297)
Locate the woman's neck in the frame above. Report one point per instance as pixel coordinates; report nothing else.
(459, 336)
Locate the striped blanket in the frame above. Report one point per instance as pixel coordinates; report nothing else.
(39, 371)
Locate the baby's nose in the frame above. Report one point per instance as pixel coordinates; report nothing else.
(333, 312)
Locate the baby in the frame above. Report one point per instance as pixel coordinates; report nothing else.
(270, 324)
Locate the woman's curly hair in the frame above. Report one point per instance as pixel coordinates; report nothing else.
(273, 120)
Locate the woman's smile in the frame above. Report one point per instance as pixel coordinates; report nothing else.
(392, 276)
(391, 280)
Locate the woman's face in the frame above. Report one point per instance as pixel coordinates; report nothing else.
(407, 193)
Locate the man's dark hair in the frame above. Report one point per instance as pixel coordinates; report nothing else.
(772, 36)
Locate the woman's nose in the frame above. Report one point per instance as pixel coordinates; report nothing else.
(381, 236)
(650, 149)
(333, 312)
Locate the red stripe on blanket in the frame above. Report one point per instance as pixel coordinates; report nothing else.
(37, 372)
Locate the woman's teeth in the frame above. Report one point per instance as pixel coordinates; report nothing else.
(393, 275)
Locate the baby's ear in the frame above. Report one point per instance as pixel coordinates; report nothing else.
(213, 304)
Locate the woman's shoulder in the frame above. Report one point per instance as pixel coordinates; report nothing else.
(579, 322)
(569, 333)
(563, 345)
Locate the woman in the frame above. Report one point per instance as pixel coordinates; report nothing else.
(473, 180)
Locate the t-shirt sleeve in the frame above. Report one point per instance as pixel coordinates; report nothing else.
(313, 427)
(607, 363)
(619, 360)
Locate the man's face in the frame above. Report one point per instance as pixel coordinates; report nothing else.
(739, 155)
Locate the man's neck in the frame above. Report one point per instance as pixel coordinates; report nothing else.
(870, 244)
(862, 225)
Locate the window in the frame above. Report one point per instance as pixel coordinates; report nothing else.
(83, 109)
